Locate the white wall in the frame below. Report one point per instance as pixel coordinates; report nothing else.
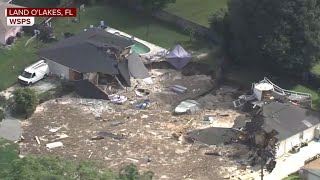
(287, 144)
(58, 69)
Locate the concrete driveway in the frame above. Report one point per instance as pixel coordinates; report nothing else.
(40, 87)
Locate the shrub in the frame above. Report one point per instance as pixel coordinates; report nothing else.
(25, 101)
(3, 101)
(1, 114)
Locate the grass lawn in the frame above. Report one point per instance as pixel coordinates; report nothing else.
(126, 21)
(18, 56)
(122, 19)
(195, 10)
(8, 153)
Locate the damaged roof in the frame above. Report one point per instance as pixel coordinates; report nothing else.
(288, 119)
(84, 52)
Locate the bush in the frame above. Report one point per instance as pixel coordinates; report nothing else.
(1, 114)
(10, 40)
(54, 168)
(25, 101)
(3, 101)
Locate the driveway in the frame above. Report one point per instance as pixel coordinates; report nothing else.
(10, 127)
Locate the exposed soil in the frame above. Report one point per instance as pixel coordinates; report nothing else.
(174, 147)
(144, 139)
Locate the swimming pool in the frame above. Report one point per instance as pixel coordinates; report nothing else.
(140, 48)
(137, 46)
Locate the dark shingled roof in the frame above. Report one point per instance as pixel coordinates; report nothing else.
(84, 53)
(288, 119)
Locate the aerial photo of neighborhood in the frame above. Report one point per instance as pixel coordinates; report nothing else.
(159, 90)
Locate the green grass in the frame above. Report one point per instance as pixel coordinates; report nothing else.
(195, 10)
(8, 153)
(132, 23)
(18, 56)
(316, 69)
(122, 19)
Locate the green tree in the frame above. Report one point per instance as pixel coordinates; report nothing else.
(154, 5)
(280, 35)
(56, 168)
(25, 101)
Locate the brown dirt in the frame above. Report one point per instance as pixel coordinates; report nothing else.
(147, 135)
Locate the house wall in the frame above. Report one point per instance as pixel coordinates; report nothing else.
(287, 144)
(5, 36)
(58, 69)
(307, 175)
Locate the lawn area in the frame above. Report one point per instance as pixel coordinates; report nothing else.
(18, 57)
(126, 21)
(8, 153)
(122, 19)
(195, 10)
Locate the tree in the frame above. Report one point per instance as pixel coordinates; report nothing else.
(25, 101)
(154, 5)
(280, 35)
(56, 168)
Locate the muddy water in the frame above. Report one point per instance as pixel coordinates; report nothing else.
(10, 128)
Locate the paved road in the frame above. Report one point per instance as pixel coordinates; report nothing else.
(10, 128)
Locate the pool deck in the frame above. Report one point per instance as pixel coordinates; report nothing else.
(155, 53)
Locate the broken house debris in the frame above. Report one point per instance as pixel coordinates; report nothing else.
(93, 56)
(281, 122)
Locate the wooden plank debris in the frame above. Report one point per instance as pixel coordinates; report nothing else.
(37, 139)
(54, 145)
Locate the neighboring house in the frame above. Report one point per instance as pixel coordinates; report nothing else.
(290, 125)
(7, 31)
(90, 55)
(311, 171)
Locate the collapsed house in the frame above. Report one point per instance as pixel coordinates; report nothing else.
(94, 60)
(281, 121)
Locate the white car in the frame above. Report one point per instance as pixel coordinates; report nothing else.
(34, 73)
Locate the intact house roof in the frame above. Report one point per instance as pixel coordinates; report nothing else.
(3, 19)
(288, 119)
(85, 51)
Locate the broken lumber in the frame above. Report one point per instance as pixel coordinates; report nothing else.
(90, 155)
(54, 145)
(37, 139)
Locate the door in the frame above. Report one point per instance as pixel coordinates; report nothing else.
(74, 75)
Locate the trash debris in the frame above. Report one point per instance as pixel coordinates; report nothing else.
(208, 120)
(103, 134)
(188, 106)
(143, 105)
(90, 155)
(179, 89)
(134, 160)
(60, 136)
(144, 116)
(116, 123)
(142, 92)
(53, 130)
(117, 99)
(37, 139)
(54, 145)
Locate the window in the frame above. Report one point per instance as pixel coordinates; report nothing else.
(33, 75)
(26, 74)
